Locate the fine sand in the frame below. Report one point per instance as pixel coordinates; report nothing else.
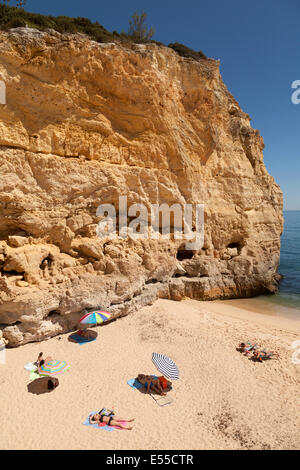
(222, 400)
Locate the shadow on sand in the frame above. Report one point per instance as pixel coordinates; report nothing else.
(39, 386)
(76, 338)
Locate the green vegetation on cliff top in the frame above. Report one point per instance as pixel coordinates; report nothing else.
(12, 17)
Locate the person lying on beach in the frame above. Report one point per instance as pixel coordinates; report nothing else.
(263, 355)
(151, 383)
(165, 383)
(111, 420)
(246, 348)
(84, 333)
(40, 361)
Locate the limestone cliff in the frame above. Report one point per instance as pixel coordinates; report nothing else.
(86, 122)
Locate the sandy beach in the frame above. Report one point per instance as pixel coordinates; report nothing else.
(222, 400)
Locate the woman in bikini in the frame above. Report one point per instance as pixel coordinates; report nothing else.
(110, 419)
(247, 348)
(83, 333)
(151, 383)
(40, 361)
(263, 355)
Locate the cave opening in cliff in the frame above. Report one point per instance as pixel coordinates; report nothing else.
(46, 262)
(177, 275)
(183, 254)
(53, 313)
(234, 245)
(151, 281)
(13, 274)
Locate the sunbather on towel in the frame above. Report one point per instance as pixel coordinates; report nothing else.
(247, 347)
(84, 333)
(111, 420)
(151, 383)
(164, 383)
(40, 361)
(263, 355)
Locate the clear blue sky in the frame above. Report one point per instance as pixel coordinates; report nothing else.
(258, 42)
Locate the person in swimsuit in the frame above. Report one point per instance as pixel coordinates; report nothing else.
(40, 361)
(247, 348)
(83, 333)
(111, 420)
(151, 383)
(263, 355)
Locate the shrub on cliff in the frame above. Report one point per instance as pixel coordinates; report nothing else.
(19, 3)
(185, 51)
(13, 17)
(138, 30)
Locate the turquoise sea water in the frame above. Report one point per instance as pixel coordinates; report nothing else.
(286, 303)
(289, 293)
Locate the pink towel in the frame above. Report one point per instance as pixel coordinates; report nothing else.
(115, 427)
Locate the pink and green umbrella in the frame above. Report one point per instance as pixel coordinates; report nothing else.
(94, 318)
(52, 368)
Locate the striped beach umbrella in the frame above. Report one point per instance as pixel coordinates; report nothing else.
(166, 366)
(51, 368)
(94, 318)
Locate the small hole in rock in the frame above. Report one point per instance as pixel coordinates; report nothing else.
(234, 245)
(12, 273)
(46, 262)
(53, 313)
(151, 281)
(184, 254)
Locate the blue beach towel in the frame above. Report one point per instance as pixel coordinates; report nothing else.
(80, 340)
(87, 423)
(134, 383)
(161, 401)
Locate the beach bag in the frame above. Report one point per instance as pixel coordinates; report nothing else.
(106, 412)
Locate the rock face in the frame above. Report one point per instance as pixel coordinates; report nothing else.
(85, 123)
